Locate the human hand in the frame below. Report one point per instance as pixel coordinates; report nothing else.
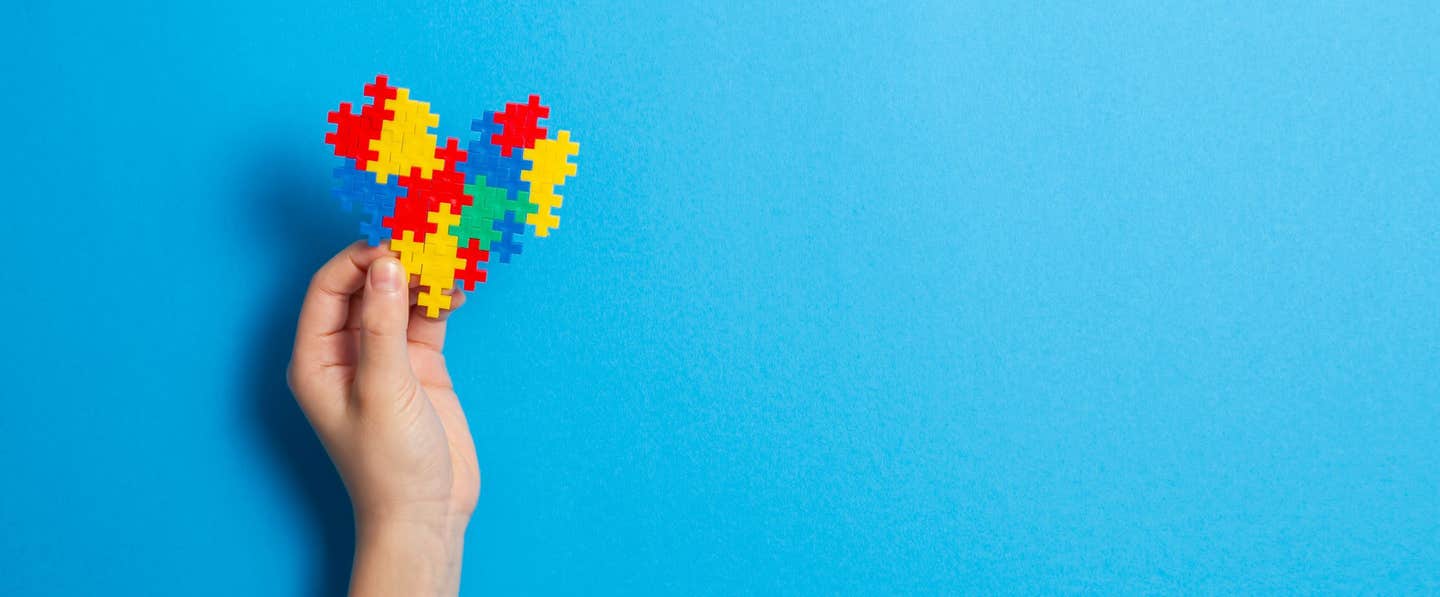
(368, 372)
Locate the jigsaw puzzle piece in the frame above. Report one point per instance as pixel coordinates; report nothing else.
(519, 129)
(549, 167)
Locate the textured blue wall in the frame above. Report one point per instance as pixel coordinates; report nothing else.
(1112, 297)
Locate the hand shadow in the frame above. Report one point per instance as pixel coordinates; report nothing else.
(295, 215)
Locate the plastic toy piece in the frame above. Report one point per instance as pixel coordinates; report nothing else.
(477, 223)
(491, 206)
(551, 165)
(347, 137)
(443, 218)
(439, 262)
(358, 190)
(411, 214)
(408, 251)
(442, 186)
(350, 184)
(445, 211)
(518, 122)
(485, 159)
(451, 153)
(405, 141)
(354, 132)
(375, 229)
(510, 228)
(474, 257)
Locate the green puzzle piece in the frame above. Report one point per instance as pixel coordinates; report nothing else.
(477, 220)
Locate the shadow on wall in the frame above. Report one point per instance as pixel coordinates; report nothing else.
(310, 230)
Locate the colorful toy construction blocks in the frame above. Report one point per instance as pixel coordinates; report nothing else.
(447, 211)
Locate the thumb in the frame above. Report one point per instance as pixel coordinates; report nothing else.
(384, 363)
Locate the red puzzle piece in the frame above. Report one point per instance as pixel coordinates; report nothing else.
(412, 210)
(473, 256)
(451, 153)
(446, 185)
(354, 132)
(518, 123)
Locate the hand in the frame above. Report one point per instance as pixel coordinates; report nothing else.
(369, 374)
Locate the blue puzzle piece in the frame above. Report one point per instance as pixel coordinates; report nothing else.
(381, 197)
(357, 190)
(483, 159)
(486, 126)
(350, 183)
(509, 244)
(374, 230)
(379, 203)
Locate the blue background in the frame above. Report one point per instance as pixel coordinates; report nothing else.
(944, 298)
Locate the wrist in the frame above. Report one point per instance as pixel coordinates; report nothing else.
(406, 555)
(438, 522)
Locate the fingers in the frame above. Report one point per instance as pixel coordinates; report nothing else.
(353, 321)
(327, 301)
(417, 316)
(384, 363)
(430, 332)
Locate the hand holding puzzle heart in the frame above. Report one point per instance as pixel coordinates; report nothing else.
(445, 211)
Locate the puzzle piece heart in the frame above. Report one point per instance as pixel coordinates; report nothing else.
(445, 211)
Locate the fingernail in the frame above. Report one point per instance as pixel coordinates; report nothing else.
(387, 275)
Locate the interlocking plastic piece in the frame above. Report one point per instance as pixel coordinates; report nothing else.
(518, 125)
(378, 203)
(550, 166)
(495, 220)
(439, 262)
(474, 257)
(379, 91)
(450, 154)
(350, 184)
(498, 201)
(477, 223)
(442, 186)
(485, 159)
(411, 214)
(347, 136)
(446, 211)
(405, 141)
(408, 251)
(357, 190)
(510, 229)
(354, 132)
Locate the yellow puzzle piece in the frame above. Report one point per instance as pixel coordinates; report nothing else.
(406, 142)
(550, 165)
(439, 261)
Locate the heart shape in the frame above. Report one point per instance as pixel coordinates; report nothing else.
(444, 210)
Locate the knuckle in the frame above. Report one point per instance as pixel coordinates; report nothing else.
(378, 333)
